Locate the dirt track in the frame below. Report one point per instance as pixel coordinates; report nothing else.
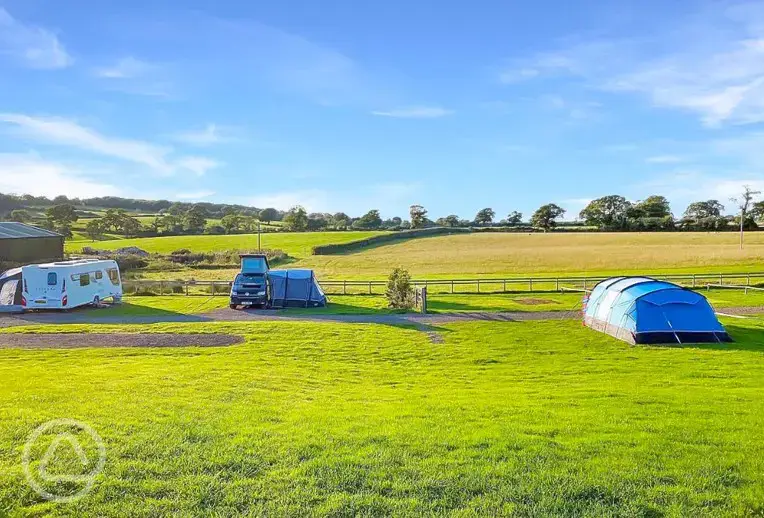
(77, 340)
(229, 315)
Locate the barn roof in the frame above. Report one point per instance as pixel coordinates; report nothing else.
(13, 230)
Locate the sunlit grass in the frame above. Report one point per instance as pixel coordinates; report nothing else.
(535, 419)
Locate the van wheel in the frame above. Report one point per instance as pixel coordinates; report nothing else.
(96, 301)
(232, 306)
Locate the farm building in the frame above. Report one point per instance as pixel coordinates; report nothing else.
(20, 243)
(641, 310)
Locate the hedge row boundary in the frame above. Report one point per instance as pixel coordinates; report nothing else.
(359, 244)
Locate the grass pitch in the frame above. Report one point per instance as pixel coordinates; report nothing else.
(544, 418)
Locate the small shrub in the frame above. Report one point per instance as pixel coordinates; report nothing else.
(130, 262)
(400, 292)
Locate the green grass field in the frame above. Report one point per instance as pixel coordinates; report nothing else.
(481, 254)
(296, 244)
(530, 419)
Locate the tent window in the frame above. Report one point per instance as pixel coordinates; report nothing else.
(84, 279)
(52, 278)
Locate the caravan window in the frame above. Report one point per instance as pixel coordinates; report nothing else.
(98, 275)
(113, 276)
(84, 279)
(52, 278)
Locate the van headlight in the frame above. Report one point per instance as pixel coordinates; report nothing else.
(234, 292)
(261, 293)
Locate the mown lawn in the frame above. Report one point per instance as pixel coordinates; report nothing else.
(296, 244)
(532, 419)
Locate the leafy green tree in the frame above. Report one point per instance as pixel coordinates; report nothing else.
(130, 226)
(94, 229)
(451, 220)
(268, 215)
(296, 220)
(485, 216)
(369, 220)
(231, 222)
(546, 216)
(606, 212)
(171, 224)
(704, 209)
(756, 212)
(340, 220)
(418, 216)
(195, 219)
(652, 207)
(514, 218)
(20, 215)
(60, 219)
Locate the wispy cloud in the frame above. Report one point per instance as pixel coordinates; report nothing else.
(415, 112)
(210, 135)
(665, 159)
(310, 199)
(134, 76)
(28, 173)
(33, 46)
(64, 132)
(125, 68)
(516, 76)
(719, 76)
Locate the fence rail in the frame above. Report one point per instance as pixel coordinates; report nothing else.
(475, 285)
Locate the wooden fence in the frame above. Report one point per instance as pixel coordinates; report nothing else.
(475, 285)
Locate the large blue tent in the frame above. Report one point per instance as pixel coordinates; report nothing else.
(641, 310)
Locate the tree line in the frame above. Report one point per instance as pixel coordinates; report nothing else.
(612, 212)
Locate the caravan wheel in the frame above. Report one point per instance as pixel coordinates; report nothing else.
(96, 301)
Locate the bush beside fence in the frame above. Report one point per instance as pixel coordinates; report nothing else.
(352, 246)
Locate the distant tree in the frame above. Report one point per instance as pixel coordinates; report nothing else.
(60, 200)
(228, 209)
(449, 221)
(514, 218)
(606, 212)
(195, 219)
(369, 220)
(94, 229)
(176, 209)
(652, 207)
(296, 220)
(60, 218)
(20, 215)
(268, 215)
(756, 212)
(249, 224)
(485, 216)
(231, 222)
(418, 215)
(130, 226)
(171, 224)
(340, 220)
(546, 216)
(317, 221)
(704, 209)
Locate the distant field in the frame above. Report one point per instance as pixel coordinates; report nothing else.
(327, 419)
(498, 254)
(296, 244)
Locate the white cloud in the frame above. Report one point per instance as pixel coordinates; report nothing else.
(665, 159)
(415, 112)
(125, 68)
(711, 65)
(64, 132)
(34, 46)
(198, 165)
(516, 76)
(211, 134)
(313, 200)
(195, 195)
(30, 174)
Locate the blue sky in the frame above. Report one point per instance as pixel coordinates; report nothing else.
(341, 105)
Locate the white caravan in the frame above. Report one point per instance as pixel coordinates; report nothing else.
(69, 284)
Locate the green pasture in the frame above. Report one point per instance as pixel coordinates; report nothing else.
(494, 418)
